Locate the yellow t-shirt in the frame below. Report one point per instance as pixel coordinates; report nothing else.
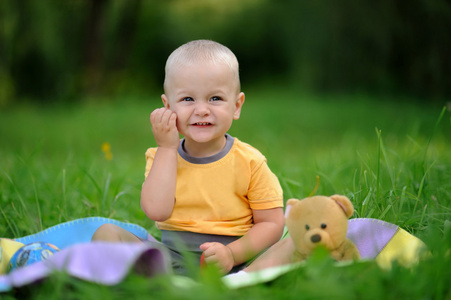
(217, 195)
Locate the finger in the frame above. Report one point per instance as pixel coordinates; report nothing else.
(156, 115)
(173, 120)
(205, 246)
(152, 116)
(167, 118)
(213, 260)
(210, 252)
(210, 259)
(211, 248)
(162, 117)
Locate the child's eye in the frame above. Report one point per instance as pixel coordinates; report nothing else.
(187, 99)
(215, 98)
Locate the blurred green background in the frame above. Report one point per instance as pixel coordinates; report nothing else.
(355, 92)
(65, 51)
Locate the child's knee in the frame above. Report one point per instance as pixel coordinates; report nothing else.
(112, 233)
(106, 232)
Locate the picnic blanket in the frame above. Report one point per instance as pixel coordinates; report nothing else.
(109, 263)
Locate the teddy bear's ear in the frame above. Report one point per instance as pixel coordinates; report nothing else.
(290, 203)
(344, 203)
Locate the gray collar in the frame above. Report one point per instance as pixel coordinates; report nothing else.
(209, 159)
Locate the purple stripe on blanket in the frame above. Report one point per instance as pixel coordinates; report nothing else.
(370, 235)
(108, 264)
(104, 263)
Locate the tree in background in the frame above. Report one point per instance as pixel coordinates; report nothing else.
(53, 50)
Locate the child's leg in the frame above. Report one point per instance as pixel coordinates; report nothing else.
(281, 253)
(112, 233)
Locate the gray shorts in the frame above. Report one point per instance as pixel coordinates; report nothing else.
(183, 248)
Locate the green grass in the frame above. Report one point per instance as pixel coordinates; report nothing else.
(391, 158)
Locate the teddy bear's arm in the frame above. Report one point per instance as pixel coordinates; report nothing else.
(348, 251)
(298, 256)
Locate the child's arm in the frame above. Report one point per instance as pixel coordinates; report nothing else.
(267, 230)
(158, 190)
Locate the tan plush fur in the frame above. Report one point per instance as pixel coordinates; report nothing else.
(321, 220)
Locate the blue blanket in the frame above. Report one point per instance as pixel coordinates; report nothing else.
(78, 231)
(109, 263)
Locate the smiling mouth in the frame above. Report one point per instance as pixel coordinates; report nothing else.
(202, 124)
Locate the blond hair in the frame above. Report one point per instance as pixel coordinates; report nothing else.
(202, 51)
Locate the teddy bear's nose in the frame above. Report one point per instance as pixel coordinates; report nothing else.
(315, 238)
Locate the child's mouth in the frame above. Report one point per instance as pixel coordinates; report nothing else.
(201, 124)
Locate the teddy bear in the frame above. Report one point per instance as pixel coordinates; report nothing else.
(321, 220)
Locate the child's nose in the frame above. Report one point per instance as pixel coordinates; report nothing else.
(202, 109)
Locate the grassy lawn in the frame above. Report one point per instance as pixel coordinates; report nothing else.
(391, 158)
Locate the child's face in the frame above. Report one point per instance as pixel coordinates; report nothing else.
(206, 99)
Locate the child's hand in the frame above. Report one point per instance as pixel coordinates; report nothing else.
(164, 128)
(218, 254)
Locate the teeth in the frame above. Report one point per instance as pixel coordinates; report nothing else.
(202, 123)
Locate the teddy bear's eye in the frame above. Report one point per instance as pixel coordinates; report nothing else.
(323, 226)
(307, 227)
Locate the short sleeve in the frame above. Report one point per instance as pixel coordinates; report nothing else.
(265, 191)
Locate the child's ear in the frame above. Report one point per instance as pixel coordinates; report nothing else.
(238, 105)
(165, 101)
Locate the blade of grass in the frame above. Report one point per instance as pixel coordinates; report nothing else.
(401, 203)
(437, 123)
(366, 202)
(423, 179)
(378, 165)
(285, 183)
(118, 196)
(381, 217)
(21, 200)
(63, 187)
(14, 229)
(424, 162)
(97, 187)
(38, 207)
(387, 161)
(105, 191)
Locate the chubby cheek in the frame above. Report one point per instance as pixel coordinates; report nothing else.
(227, 121)
(178, 124)
(179, 120)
